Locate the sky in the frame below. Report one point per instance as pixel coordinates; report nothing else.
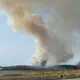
(17, 48)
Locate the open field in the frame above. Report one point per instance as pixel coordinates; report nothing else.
(38, 79)
(57, 72)
(44, 75)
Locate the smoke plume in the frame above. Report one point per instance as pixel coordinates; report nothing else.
(50, 21)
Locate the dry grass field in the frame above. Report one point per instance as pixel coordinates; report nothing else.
(36, 75)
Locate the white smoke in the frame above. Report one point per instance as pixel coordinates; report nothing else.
(52, 25)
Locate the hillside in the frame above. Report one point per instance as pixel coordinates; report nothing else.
(24, 67)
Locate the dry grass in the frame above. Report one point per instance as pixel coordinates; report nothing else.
(42, 73)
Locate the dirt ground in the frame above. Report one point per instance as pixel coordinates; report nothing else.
(37, 78)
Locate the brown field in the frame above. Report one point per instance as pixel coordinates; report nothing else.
(36, 75)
